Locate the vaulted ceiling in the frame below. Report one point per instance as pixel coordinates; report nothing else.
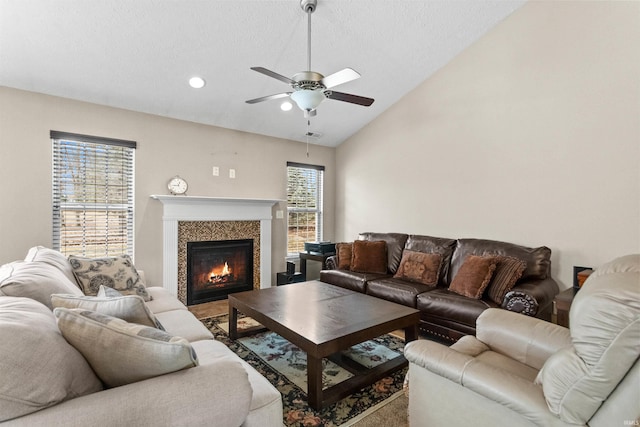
(139, 54)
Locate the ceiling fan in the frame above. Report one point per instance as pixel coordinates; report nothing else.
(310, 88)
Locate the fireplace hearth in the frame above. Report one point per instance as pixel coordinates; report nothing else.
(218, 268)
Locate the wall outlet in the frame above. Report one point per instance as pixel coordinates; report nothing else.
(232, 173)
(216, 171)
(279, 214)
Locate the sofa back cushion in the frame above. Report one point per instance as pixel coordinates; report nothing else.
(605, 333)
(538, 259)
(434, 245)
(36, 280)
(39, 368)
(53, 258)
(395, 245)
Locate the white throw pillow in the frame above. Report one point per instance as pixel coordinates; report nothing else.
(130, 308)
(120, 352)
(39, 368)
(36, 280)
(108, 292)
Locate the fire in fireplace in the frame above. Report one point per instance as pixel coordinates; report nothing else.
(218, 268)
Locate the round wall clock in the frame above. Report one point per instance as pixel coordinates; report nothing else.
(177, 185)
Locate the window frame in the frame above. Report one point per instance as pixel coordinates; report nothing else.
(319, 201)
(99, 150)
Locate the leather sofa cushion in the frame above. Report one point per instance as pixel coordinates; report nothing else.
(395, 246)
(348, 279)
(443, 304)
(538, 259)
(434, 245)
(369, 256)
(396, 290)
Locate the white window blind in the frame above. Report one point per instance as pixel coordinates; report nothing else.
(304, 205)
(93, 193)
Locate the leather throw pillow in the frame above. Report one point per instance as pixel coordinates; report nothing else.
(369, 256)
(474, 276)
(508, 271)
(419, 267)
(344, 253)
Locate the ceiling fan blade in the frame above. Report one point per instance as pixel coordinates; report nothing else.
(347, 97)
(342, 76)
(273, 74)
(268, 98)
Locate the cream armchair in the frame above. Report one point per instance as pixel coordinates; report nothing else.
(523, 371)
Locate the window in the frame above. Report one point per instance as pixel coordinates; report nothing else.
(92, 195)
(304, 205)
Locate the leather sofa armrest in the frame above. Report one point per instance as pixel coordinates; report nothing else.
(332, 262)
(533, 298)
(437, 358)
(526, 339)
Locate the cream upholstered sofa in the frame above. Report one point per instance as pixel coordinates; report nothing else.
(47, 381)
(522, 371)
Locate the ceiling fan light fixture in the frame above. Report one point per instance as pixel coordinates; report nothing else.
(308, 100)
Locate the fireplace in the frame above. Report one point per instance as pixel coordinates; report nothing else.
(218, 268)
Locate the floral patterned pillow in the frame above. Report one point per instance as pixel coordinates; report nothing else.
(112, 272)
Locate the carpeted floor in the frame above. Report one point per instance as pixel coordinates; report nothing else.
(381, 404)
(391, 413)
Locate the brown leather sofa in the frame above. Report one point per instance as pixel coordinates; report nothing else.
(446, 314)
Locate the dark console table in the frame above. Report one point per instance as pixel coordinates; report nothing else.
(313, 256)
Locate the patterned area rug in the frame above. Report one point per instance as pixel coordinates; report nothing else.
(284, 365)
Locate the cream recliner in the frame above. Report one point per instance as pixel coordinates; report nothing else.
(523, 371)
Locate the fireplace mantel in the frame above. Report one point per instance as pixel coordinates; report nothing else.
(196, 208)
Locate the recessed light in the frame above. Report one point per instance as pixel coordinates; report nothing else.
(286, 106)
(196, 82)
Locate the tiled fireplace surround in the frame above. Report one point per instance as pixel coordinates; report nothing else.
(195, 219)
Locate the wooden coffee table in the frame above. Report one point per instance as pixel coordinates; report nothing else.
(323, 320)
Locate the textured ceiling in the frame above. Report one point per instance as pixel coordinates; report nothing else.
(139, 54)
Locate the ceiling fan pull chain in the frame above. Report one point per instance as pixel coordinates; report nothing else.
(308, 133)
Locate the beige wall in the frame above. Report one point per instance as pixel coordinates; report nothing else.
(531, 135)
(166, 147)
